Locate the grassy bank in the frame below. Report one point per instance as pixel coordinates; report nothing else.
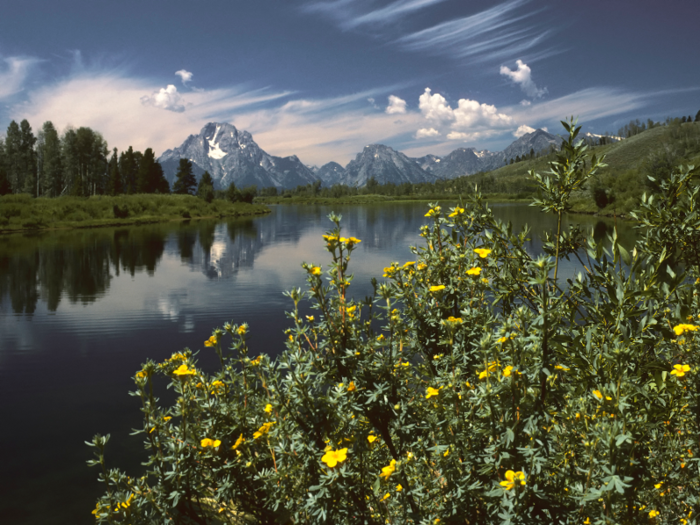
(373, 198)
(22, 212)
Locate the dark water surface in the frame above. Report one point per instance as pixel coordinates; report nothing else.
(81, 310)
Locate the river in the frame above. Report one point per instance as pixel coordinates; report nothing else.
(81, 310)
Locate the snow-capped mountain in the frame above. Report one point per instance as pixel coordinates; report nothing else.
(230, 156)
(539, 141)
(385, 165)
(330, 174)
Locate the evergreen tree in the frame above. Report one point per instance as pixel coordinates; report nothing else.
(697, 116)
(205, 188)
(129, 167)
(532, 153)
(185, 182)
(161, 184)
(114, 177)
(5, 187)
(28, 158)
(233, 195)
(49, 165)
(150, 177)
(12, 155)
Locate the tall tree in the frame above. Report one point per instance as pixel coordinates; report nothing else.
(697, 116)
(5, 187)
(129, 168)
(49, 165)
(12, 158)
(205, 188)
(114, 178)
(85, 162)
(186, 181)
(150, 177)
(28, 158)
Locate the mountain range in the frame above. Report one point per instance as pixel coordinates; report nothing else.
(231, 155)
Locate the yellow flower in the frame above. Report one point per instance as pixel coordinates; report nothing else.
(399, 488)
(653, 513)
(183, 371)
(431, 392)
(206, 442)
(433, 211)
(386, 496)
(371, 438)
(455, 320)
(141, 374)
(482, 252)
(492, 366)
(512, 479)
(597, 394)
(421, 266)
(485, 280)
(408, 264)
(380, 337)
(587, 521)
(218, 387)
(314, 270)
(680, 329)
(474, 271)
(256, 361)
(351, 386)
(389, 271)
(658, 485)
(242, 329)
(458, 211)
(680, 370)
(507, 370)
(268, 408)
(388, 470)
(333, 457)
(502, 340)
(447, 453)
(352, 241)
(263, 430)
(437, 288)
(210, 342)
(560, 367)
(238, 442)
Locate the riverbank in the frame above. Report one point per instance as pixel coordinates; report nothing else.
(374, 198)
(23, 213)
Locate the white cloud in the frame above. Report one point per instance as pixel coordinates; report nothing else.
(396, 105)
(435, 107)
(522, 130)
(185, 76)
(457, 135)
(167, 98)
(13, 74)
(426, 132)
(470, 113)
(525, 102)
(523, 77)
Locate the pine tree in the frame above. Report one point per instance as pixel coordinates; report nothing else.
(28, 158)
(114, 177)
(205, 188)
(186, 181)
(5, 187)
(697, 116)
(49, 166)
(128, 167)
(12, 155)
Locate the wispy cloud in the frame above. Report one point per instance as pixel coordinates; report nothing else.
(491, 34)
(185, 76)
(350, 14)
(13, 74)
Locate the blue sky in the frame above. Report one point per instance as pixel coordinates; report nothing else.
(323, 78)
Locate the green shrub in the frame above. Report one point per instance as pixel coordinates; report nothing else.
(473, 387)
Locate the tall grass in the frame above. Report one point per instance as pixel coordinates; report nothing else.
(22, 212)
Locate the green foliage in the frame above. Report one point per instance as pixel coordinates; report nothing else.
(185, 182)
(103, 210)
(470, 388)
(205, 188)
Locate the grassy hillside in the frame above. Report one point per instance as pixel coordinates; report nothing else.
(629, 162)
(22, 212)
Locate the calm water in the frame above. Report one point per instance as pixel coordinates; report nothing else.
(80, 311)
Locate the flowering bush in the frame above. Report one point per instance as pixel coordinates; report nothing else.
(474, 387)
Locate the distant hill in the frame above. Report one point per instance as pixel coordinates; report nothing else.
(385, 165)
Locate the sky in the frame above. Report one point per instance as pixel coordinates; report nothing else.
(321, 79)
